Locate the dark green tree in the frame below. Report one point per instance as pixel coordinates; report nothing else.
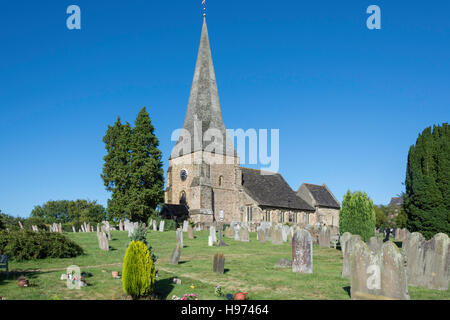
(357, 215)
(427, 182)
(133, 169)
(147, 176)
(116, 173)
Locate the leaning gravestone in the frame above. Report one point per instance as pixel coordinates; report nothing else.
(380, 275)
(219, 263)
(175, 258)
(73, 229)
(161, 226)
(190, 232)
(428, 261)
(324, 237)
(229, 233)
(302, 252)
(348, 251)
(180, 237)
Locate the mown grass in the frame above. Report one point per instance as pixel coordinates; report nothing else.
(249, 267)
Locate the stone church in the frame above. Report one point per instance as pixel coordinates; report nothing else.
(211, 184)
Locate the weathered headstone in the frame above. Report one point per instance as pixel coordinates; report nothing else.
(190, 232)
(219, 263)
(229, 233)
(378, 275)
(175, 258)
(375, 244)
(428, 261)
(180, 237)
(120, 225)
(348, 251)
(102, 241)
(155, 227)
(302, 252)
(212, 233)
(276, 235)
(220, 240)
(20, 225)
(185, 225)
(324, 237)
(210, 241)
(244, 235)
(161, 226)
(260, 235)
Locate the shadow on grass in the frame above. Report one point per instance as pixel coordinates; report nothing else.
(13, 275)
(164, 287)
(183, 262)
(225, 270)
(347, 289)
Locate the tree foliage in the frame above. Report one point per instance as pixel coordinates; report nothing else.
(139, 274)
(133, 169)
(427, 182)
(65, 211)
(357, 215)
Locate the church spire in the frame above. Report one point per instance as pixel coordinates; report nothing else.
(204, 112)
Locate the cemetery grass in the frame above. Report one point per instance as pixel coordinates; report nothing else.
(249, 267)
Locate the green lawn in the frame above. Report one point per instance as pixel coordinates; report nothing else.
(248, 268)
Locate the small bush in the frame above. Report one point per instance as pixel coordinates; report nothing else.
(29, 245)
(140, 234)
(138, 271)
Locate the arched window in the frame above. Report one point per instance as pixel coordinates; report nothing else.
(183, 197)
(220, 181)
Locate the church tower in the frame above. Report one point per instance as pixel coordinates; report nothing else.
(204, 169)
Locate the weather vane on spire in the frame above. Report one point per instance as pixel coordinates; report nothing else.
(204, 7)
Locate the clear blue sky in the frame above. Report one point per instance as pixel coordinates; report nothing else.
(348, 101)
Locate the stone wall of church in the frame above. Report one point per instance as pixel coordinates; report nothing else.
(328, 216)
(224, 179)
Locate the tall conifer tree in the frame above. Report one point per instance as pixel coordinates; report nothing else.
(117, 168)
(428, 182)
(147, 177)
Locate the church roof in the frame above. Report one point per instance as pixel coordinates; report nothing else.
(396, 201)
(271, 190)
(322, 196)
(204, 110)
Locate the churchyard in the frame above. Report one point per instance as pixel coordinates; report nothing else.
(249, 267)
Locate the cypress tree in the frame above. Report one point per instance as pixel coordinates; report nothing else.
(147, 177)
(117, 168)
(357, 215)
(428, 182)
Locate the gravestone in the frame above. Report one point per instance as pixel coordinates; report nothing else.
(302, 252)
(229, 233)
(324, 237)
(73, 229)
(161, 226)
(221, 243)
(185, 225)
(378, 275)
(175, 258)
(120, 225)
(20, 225)
(212, 233)
(190, 232)
(348, 251)
(180, 237)
(155, 228)
(210, 241)
(343, 239)
(260, 235)
(428, 261)
(98, 228)
(276, 235)
(102, 241)
(375, 244)
(244, 234)
(237, 232)
(284, 233)
(219, 263)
